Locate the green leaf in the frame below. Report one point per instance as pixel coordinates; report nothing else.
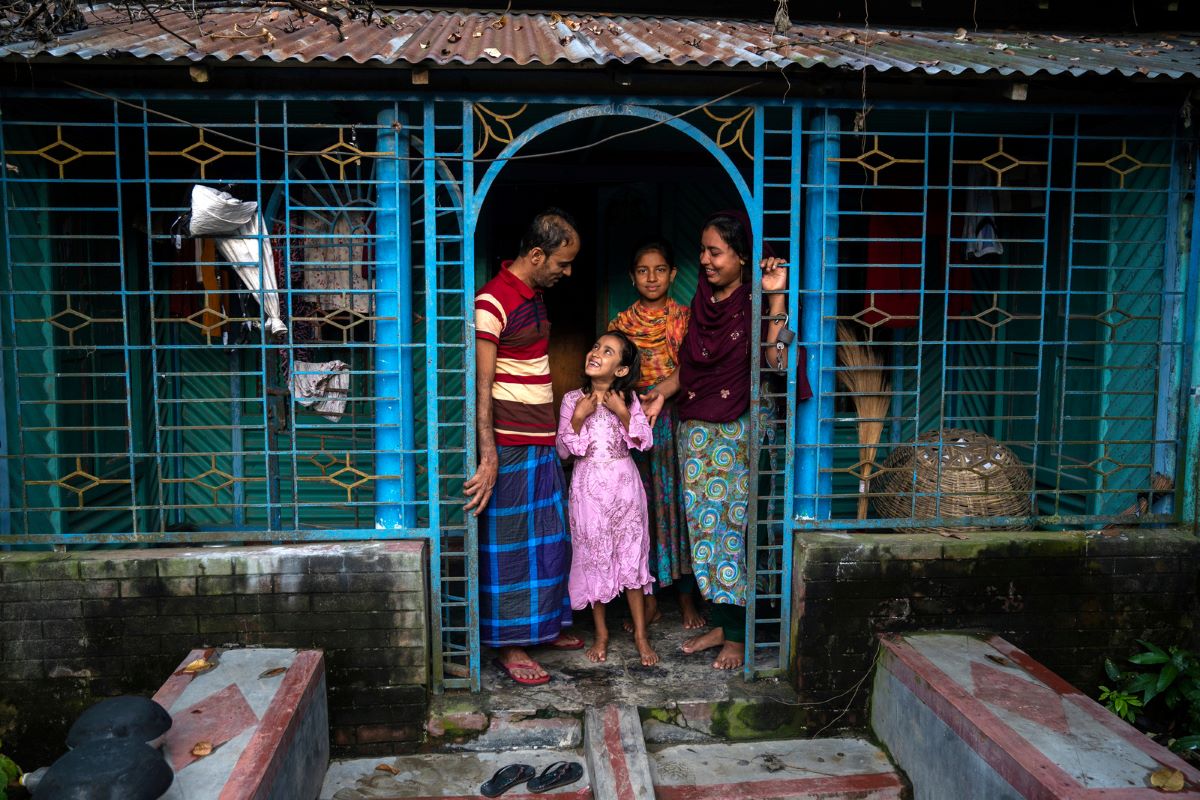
(1150, 658)
(8, 769)
(1153, 648)
(1166, 677)
(1186, 743)
(1111, 670)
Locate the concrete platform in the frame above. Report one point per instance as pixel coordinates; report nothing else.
(442, 775)
(682, 698)
(847, 769)
(619, 767)
(263, 716)
(974, 716)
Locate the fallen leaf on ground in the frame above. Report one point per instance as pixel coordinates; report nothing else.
(1167, 779)
(388, 768)
(199, 665)
(492, 52)
(500, 23)
(960, 34)
(270, 673)
(202, 749)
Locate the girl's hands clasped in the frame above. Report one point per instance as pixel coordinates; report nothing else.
(583, 409)
(615, 402)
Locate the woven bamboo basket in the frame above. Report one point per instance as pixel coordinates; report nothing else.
(952, 473)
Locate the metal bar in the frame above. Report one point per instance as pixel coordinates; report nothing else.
(393, 282)
(1190, 511)
(471, 219)
(429, 179)
(751, 536)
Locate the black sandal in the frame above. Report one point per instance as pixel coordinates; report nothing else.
(560, 773)
(506, 778)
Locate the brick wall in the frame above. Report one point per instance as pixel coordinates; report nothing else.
(1068, 599)
(77, 627)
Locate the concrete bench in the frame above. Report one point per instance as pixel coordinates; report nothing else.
(974, 717)
(263, 713)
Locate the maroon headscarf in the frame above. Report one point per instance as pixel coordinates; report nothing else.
(714, 360)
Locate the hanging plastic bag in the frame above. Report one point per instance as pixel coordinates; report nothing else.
(217, 213)
(238, 229)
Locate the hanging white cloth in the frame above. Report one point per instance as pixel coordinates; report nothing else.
(322, 387)
(979, 224)
(238, 229)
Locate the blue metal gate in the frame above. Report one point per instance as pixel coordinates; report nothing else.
(146, 401)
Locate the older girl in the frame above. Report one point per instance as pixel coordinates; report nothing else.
(657, 325)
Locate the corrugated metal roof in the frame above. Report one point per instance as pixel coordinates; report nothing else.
(475, 37)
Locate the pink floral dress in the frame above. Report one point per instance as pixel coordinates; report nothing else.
(610, 538)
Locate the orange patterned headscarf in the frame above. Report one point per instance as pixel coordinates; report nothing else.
(658, 333)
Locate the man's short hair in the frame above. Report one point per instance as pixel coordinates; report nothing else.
(550, 230)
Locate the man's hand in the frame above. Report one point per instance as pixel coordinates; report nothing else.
(479, 486)
(652, 405)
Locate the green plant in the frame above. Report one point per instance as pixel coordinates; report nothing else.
(10, 773)
(1170, 679)
(1120, 703)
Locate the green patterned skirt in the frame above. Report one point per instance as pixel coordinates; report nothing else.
(714, 460)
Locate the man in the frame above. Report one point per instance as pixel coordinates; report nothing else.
(524, 548)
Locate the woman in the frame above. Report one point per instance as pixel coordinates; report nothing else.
(712, 390)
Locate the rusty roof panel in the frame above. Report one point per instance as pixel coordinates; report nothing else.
(478, 38)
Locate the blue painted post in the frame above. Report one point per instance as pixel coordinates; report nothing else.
(814, 481)
(1170, 354)
(394, 451)
(1189, 514)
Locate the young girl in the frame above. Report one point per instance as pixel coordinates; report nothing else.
(657, 325)
(599, 425)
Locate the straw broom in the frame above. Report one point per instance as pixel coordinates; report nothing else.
(865, 379)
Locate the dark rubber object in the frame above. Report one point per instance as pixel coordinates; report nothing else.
(110, 769)
(560, 773)
(506, 778)
(137, 718)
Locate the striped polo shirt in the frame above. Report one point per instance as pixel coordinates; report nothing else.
(513, 316)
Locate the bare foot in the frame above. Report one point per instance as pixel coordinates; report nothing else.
(732, 656)
(705, 641)
(566, 641)
(692, 619)
(599, 651)
(652, 616)
(649, 657)
(519, 665)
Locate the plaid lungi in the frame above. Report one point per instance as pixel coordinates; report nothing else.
(524, 551)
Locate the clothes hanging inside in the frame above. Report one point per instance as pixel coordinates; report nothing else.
(240, 235)
(323, 388)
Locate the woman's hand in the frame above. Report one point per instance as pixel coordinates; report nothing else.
(774, 274)
(652, 405)
(584, 409)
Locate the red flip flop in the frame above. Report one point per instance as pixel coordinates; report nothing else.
(508, 668)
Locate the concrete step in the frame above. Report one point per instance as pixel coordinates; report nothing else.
(618, 767)
(830, 769)
(445, 776)
(973, 716)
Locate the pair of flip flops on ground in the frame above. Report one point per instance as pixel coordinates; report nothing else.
(560, 773)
